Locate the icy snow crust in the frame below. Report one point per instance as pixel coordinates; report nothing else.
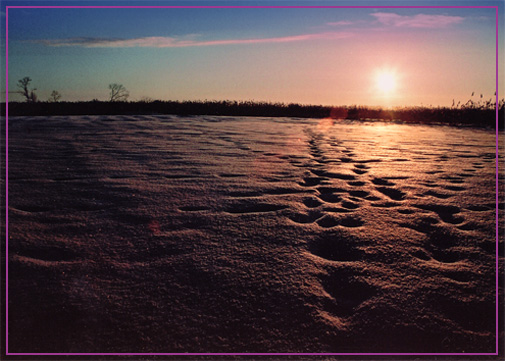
(220, 234)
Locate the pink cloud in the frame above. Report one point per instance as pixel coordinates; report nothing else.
(417, 21)
(340, 23)
(172, 42)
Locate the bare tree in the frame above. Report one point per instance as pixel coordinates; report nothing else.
(118, 93)
(29, 94)
(55, 96)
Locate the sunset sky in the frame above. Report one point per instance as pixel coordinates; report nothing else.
(331, 56)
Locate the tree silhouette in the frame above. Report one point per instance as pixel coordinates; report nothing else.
(118, 93)
(55, 96)
(29, 94)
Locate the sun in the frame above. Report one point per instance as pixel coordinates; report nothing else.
(385, 82)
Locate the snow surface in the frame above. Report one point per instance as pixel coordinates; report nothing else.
(222, 234)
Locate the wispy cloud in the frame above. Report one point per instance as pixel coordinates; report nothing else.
(173, 42)
(340, 23)
(417, 21)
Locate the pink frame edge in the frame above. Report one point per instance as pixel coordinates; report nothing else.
(225, 354)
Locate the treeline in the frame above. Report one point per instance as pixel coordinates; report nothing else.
(471, 113)
(476, 116)
(233, 108)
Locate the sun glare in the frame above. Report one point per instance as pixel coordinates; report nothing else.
(385, 82)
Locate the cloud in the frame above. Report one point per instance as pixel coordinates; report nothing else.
(417, 21)
(340, 23)
(173, 42)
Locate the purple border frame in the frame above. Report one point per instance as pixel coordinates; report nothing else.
(229, 354)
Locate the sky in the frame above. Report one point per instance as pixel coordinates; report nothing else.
(372, 56)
